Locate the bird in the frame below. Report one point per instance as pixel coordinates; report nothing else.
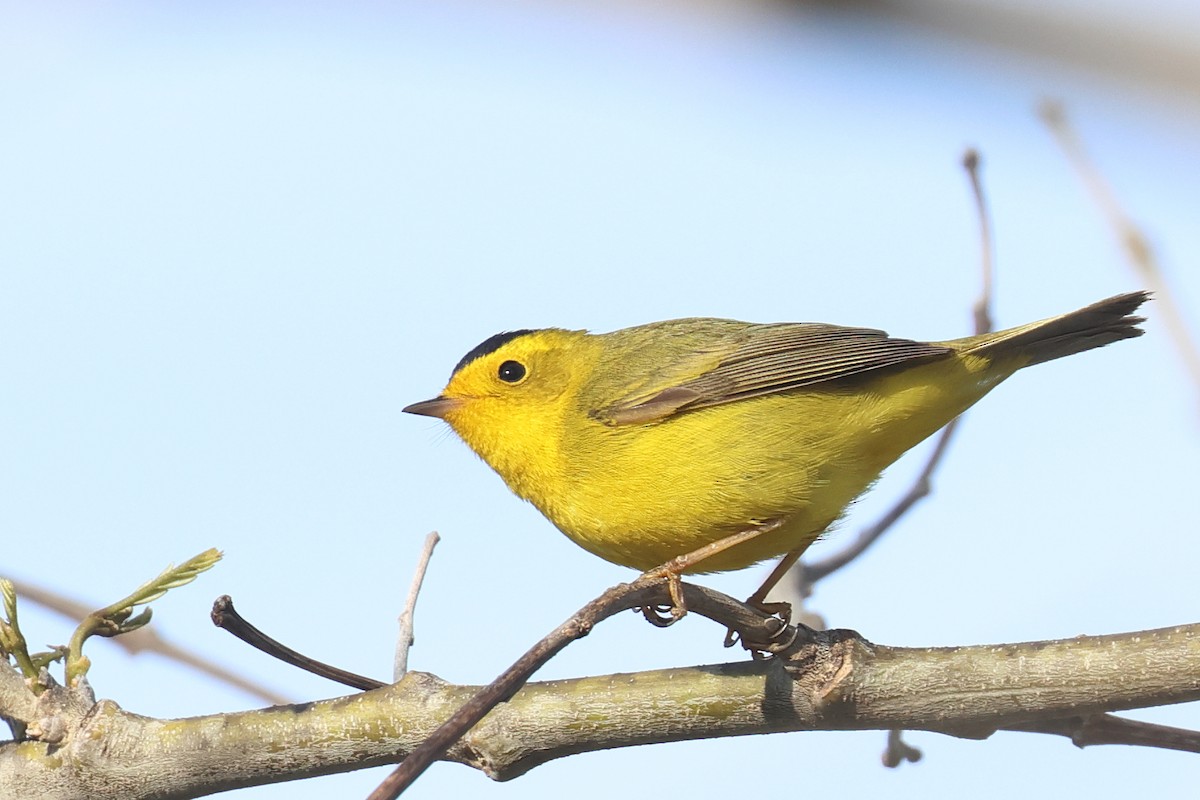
(730, 442)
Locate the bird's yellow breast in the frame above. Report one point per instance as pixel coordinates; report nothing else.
(640, 495)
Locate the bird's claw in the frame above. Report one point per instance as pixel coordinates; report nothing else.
(665, 615)
(781, 638)
(661, 616)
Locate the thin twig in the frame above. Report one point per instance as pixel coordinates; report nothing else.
(404, 640)
(809, 574)
(982, 310)
(1111, 729)
(1134, 242)
(506, 685)
(226, 617)
(898, 751)
(752, 625)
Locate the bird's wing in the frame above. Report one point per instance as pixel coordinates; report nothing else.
(768, 359)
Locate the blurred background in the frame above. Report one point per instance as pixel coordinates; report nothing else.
(235, 239)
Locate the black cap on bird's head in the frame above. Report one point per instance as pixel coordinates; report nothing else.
(488, 345)
(438, 406)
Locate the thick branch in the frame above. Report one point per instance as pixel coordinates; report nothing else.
(836, 681)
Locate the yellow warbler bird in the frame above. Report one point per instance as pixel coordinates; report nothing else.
(650, 442)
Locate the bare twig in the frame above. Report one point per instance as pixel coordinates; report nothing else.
(898, 751)
(809, 574)
(1110, 729)
(226, 617)
(1133, 240)
(983, 304)
(404, 640)
(649, 589)
(503, 687)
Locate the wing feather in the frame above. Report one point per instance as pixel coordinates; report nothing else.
(769, 359)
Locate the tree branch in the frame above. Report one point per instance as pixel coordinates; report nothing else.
(833, 680)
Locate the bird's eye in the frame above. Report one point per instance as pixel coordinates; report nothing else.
(511, 371)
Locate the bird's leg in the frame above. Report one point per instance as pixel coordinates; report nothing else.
(781, 611)
(673, 569)
(758, 599)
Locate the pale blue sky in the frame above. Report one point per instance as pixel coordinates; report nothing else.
(236, 240)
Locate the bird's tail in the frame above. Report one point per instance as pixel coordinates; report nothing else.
(1074, 332)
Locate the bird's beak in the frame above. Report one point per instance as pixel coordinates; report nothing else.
(437, 407)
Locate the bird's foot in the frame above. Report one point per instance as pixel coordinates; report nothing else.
(664, 616)
(781, 634)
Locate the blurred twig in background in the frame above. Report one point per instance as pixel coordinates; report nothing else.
(807, 574)
(1133, 240)
(146, 640)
